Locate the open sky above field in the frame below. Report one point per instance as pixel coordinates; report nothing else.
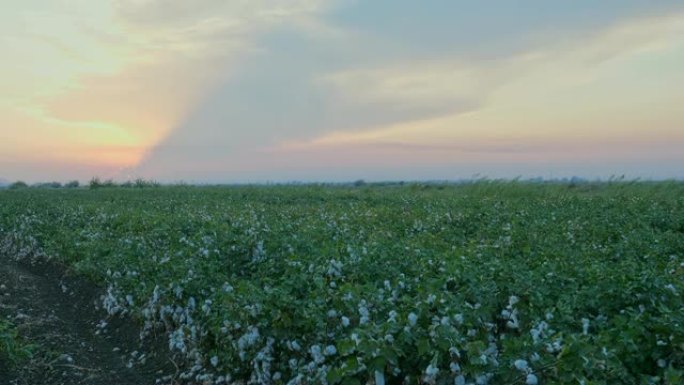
(329, 90)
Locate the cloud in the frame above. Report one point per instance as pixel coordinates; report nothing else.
(496, 89)
(213, 88)
(578, 97)
(447, 83)
(438, 84)
(134, 67)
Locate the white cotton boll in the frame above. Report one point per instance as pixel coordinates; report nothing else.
(585, 326)
(295, 346)
(292, 363)
(330, 350)
(513, 324)
(214, 361)
(316, 353)
(431, 371)
(355, 337)
(455, 368)
(379, 378)
(248, 339)
(454, 351)
(535, 335)
(672, 288)
(531, 379)
(445, 321)
(206, 308)
(335, 268)
(520, 365)
(662, 363)
(412, 318)
(332, 313)
(512, 300)
(345, 321)
(459, 380)
(554, 347)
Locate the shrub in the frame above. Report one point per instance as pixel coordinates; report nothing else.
(96, 183)
(48, 185)
(18, 185)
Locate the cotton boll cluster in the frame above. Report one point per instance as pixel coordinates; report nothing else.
(177, 341)
(510, 313)
(335, 269)
(258, 252)
(247, 340)
(431, 373)
(540, 331)
(364, 313)
(523, 366)
(555, 346)
(110, 302)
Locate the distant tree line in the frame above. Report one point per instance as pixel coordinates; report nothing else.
(21, 185)
(94, 183)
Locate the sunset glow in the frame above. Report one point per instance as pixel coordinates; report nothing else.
(313, 90)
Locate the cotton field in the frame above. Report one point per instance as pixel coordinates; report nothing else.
(484, 283)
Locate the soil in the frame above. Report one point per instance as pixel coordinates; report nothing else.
(58, 312)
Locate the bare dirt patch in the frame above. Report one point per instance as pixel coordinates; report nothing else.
(58, 312)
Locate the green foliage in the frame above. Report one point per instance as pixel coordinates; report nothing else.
(48, 185)
(12, 348)
(495, 282)
(96, 183)
(18, 185)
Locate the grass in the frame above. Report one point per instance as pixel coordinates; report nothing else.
(489, 282)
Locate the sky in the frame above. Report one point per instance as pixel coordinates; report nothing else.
(234, 91)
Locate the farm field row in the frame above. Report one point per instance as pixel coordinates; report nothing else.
(483, 283)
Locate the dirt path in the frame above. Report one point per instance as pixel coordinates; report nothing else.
(58, 312)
